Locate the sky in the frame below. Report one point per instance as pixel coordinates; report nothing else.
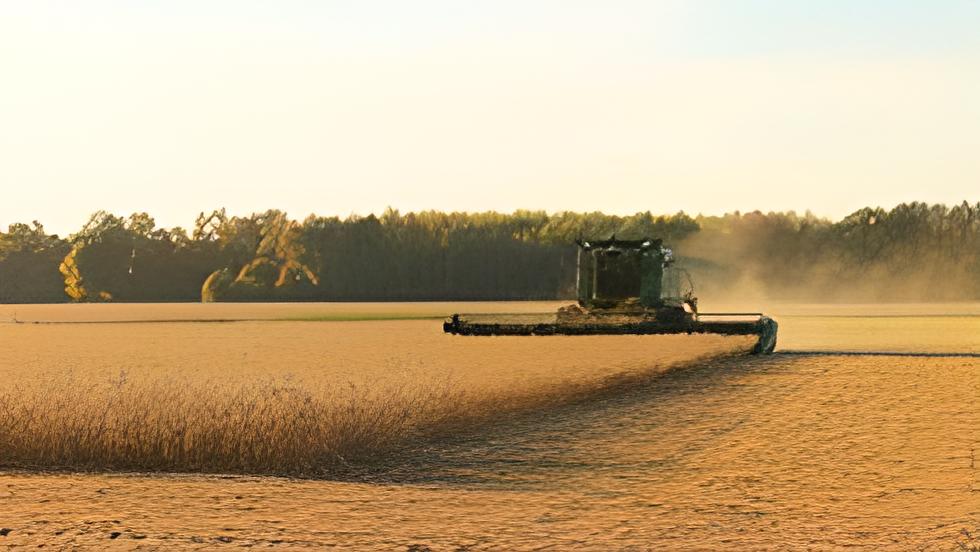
(337, 108)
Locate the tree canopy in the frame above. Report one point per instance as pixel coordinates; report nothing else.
(915, 251)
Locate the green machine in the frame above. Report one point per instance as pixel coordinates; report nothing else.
(616, 273)
(624, 287)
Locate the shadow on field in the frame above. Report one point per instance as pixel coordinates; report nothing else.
(534, 447)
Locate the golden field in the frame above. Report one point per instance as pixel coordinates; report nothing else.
(287, 430)
(284, 397)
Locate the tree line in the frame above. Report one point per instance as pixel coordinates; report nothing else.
(915, 251)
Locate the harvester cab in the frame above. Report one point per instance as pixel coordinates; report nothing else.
(625, 287)
(638, 277)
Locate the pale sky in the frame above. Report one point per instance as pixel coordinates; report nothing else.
(174, 107)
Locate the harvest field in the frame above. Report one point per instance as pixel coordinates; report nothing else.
(306, 425)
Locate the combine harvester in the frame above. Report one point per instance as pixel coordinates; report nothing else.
(624, 287)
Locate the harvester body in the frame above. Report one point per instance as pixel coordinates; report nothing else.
(611, 273)
(624, 287)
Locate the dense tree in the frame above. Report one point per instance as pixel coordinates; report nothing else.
(129, 259)
(914, 251)
(29, 259)
(268, 261)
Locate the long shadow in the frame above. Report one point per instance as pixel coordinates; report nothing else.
(485, 456)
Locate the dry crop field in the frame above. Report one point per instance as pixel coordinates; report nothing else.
(282, 397)
(311, 426)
